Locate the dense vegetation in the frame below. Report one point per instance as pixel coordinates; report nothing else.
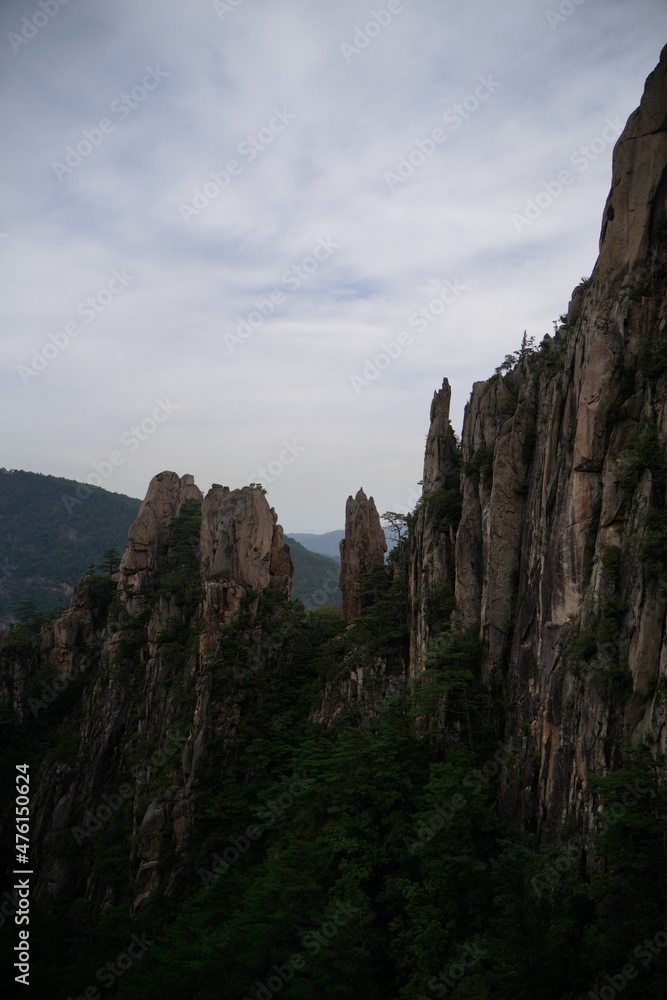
(364, 860)
(49, 536)
(315, 580)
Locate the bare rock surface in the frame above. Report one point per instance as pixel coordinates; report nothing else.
(364, 545)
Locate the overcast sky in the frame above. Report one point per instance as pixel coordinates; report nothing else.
(214, 215)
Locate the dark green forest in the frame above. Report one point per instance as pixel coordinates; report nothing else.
(364, 860)
(51, 530)
(315, 580)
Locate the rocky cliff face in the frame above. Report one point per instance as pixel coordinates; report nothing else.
(431, 562)
(543, 536)
(560, 550)
(364, 545)
(149, 646)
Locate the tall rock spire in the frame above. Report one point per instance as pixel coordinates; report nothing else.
(440, 454)
(363, 546)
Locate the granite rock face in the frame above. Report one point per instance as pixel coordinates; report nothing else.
(440, 456)
(364, 545)
(542, 534)
(149, 535)
(563, 460)
(637, 204)
(431, 557)
(558, 563)
(242, 550)
(152, 643)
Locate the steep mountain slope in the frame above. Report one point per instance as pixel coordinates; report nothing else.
(325, 544)
(461, 786)
(52, 529)
(560, 555)
(50, 534)
(315, 576)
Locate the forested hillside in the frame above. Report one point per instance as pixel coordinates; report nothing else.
(455, 784)
(315, 576)
(51, 530)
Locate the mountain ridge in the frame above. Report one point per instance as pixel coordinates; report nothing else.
(469, 761)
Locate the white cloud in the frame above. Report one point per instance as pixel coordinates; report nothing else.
(322, 175)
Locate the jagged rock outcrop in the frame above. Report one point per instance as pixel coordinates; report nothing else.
(563, 489)
(148, 640)
(364, 545)
(431, 566)
(242, 550)
(544, 534)
(149, 534)
(558, 562)
(634, 216)
(362, 687)
(440, 456)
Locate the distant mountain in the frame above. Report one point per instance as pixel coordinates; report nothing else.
(326, 544)
(315, 579)
(49, 536)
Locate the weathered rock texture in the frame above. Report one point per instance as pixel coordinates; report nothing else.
(440, 457)
(558, 562)
(242, 550)
(544, 535)
(364, 545)
(563, 460)
(150, 640)
(431, 565)
(149, 535)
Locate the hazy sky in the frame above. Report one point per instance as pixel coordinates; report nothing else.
(214, 215)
